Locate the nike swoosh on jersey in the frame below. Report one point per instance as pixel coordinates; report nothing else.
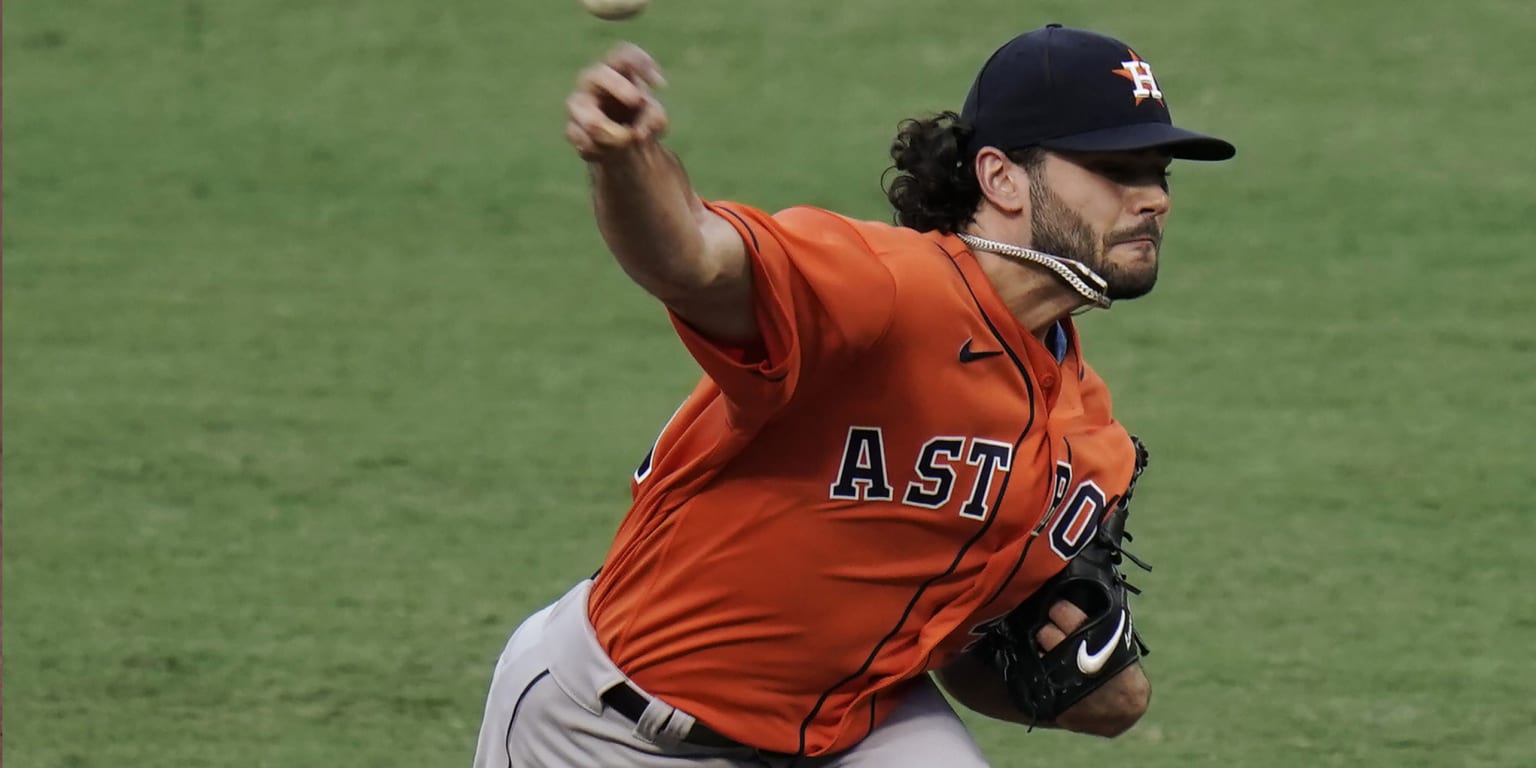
(969, 356)
(1092, 663)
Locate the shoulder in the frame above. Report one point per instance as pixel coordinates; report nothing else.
(815, 239)
(877, 236)
(813, 222)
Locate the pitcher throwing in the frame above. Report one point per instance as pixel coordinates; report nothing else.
(897, 467)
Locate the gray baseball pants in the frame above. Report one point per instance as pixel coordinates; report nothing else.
(545, 710)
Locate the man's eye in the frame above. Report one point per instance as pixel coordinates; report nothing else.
(1131, 172)
(1128, 173)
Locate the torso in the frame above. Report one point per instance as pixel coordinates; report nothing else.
(781, 578)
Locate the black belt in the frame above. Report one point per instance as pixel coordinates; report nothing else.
(631, 703)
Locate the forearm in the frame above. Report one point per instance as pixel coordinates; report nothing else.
(980, 688)
(1112, 709)
(657, 228)
(1109, 711)
(653, 222)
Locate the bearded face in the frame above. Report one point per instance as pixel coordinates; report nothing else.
(1125, 257)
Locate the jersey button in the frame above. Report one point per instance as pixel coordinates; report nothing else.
(1048, 381)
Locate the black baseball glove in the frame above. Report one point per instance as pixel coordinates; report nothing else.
(1042, 683)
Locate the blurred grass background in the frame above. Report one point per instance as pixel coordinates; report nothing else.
(318, 377)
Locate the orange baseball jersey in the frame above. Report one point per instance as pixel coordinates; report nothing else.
(839, 511)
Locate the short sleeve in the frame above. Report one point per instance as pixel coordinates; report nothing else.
(820, 292)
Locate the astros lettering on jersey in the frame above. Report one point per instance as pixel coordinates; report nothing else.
(897, 465)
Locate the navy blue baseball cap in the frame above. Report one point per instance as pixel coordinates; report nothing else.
(1074, 90)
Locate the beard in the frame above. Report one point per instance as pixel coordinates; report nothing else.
(1057, 230)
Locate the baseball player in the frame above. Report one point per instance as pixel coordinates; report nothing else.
(897, 466)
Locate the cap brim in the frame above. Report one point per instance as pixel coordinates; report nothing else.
(1182, 144)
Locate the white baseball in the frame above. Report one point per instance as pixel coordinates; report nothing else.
(614, 10)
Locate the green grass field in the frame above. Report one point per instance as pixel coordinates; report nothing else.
(318, 377)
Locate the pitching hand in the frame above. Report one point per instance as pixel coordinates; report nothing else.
(612, 108)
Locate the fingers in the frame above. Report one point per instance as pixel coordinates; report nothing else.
(583, 142)
(1050, 636)
(1065, 619)
(652, 121)
(1067, 616)
(612, 107)
(614, 89)
(593, 131)
(632, 61)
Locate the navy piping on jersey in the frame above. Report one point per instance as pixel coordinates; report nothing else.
(1024, 555)
(745, 226)
(1056, 340)
(874, 653)
(755, 249)
(507, 741)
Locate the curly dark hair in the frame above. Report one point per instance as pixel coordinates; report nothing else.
(935, 186)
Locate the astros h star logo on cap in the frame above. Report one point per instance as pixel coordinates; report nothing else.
(1060, 89)
(1140, 74)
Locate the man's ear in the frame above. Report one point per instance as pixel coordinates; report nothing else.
(1004, 183)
